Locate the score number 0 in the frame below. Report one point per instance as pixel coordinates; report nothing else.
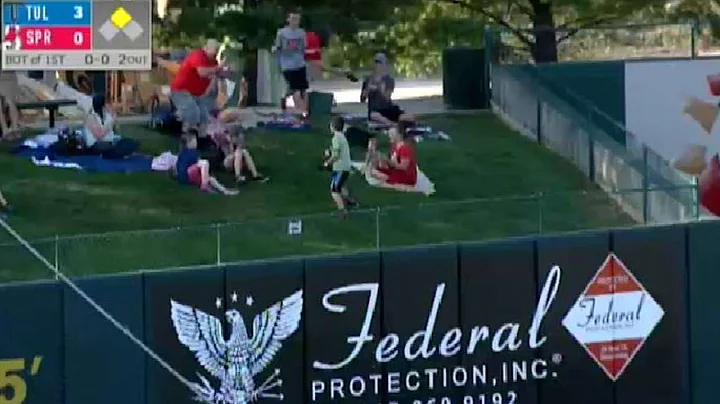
(78, 38)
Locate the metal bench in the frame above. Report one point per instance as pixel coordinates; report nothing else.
(51, 105)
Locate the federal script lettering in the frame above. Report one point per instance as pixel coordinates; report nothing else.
(427, 343)
(609, 316)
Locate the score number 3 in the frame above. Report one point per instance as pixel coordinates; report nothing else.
(78, 13)
(13, 388)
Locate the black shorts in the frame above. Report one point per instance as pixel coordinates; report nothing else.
(338, 179)
(392, 112)
(297, 79)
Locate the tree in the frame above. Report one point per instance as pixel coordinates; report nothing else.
(540, 25)
(412, 36)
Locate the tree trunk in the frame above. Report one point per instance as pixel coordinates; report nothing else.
(545, 49)
(251, 73)
(251, 63)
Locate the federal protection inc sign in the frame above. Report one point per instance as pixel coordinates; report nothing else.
(613, 317)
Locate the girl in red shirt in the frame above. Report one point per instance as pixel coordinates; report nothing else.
(401, 167)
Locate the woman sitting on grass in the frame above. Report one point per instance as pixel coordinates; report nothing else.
(99, 132)
(191, 170)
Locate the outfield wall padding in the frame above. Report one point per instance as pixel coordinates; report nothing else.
(521, 321)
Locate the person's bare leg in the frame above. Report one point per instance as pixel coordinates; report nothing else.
(350, 202)
(378, 175)
(14, 115)
(249, 162)
(305, 103)
(238, 164)
(377, 117)
(299, 101)
(3, 123)
(216, 185)
(204, 173)
(245, 156)
(338, 199)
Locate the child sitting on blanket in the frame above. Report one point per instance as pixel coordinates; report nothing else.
(191, 170)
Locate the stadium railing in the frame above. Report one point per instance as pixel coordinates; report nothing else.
(558, 118)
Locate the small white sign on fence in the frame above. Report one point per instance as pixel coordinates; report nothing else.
(294, 227)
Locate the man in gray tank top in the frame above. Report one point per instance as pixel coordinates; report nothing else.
(290, 49)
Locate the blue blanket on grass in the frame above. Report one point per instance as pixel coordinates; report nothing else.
(133, 164)
(284, 122)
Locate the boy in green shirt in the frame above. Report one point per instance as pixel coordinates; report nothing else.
(339, 158)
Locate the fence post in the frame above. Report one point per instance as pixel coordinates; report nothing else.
(377, 228)
(698, 202)
(218, 252)
(539, 121)
(540, 197)
(646, 185)
(488, 60)
(57, 256)
(693, 40)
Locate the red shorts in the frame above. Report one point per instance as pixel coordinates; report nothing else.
(398, 176)
(194, 174)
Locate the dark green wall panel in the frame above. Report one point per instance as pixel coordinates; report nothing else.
(99, 358)
(31, 340)
(704, 300)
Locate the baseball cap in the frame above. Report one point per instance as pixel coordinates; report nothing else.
(380, 58)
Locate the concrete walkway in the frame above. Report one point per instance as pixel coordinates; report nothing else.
(418, 97)
(420, 106)
(346, 91)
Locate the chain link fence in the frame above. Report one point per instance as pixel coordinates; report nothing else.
(554, 115)
(367, 229)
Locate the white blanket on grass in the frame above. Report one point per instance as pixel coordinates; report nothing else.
(423, 184)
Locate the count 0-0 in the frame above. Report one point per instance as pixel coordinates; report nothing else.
(90, 59)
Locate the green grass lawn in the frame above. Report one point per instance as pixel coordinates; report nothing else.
(484, 163)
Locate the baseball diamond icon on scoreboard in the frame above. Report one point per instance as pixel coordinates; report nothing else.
(121, 21)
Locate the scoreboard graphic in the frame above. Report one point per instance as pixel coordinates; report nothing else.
(77, 35)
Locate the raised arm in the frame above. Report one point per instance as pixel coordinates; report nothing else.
(96, 129)
(278, 42)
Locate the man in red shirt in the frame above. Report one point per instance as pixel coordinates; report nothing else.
(401, 167)
(189, 88)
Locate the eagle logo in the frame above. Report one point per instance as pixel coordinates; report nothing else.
(236, 361)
